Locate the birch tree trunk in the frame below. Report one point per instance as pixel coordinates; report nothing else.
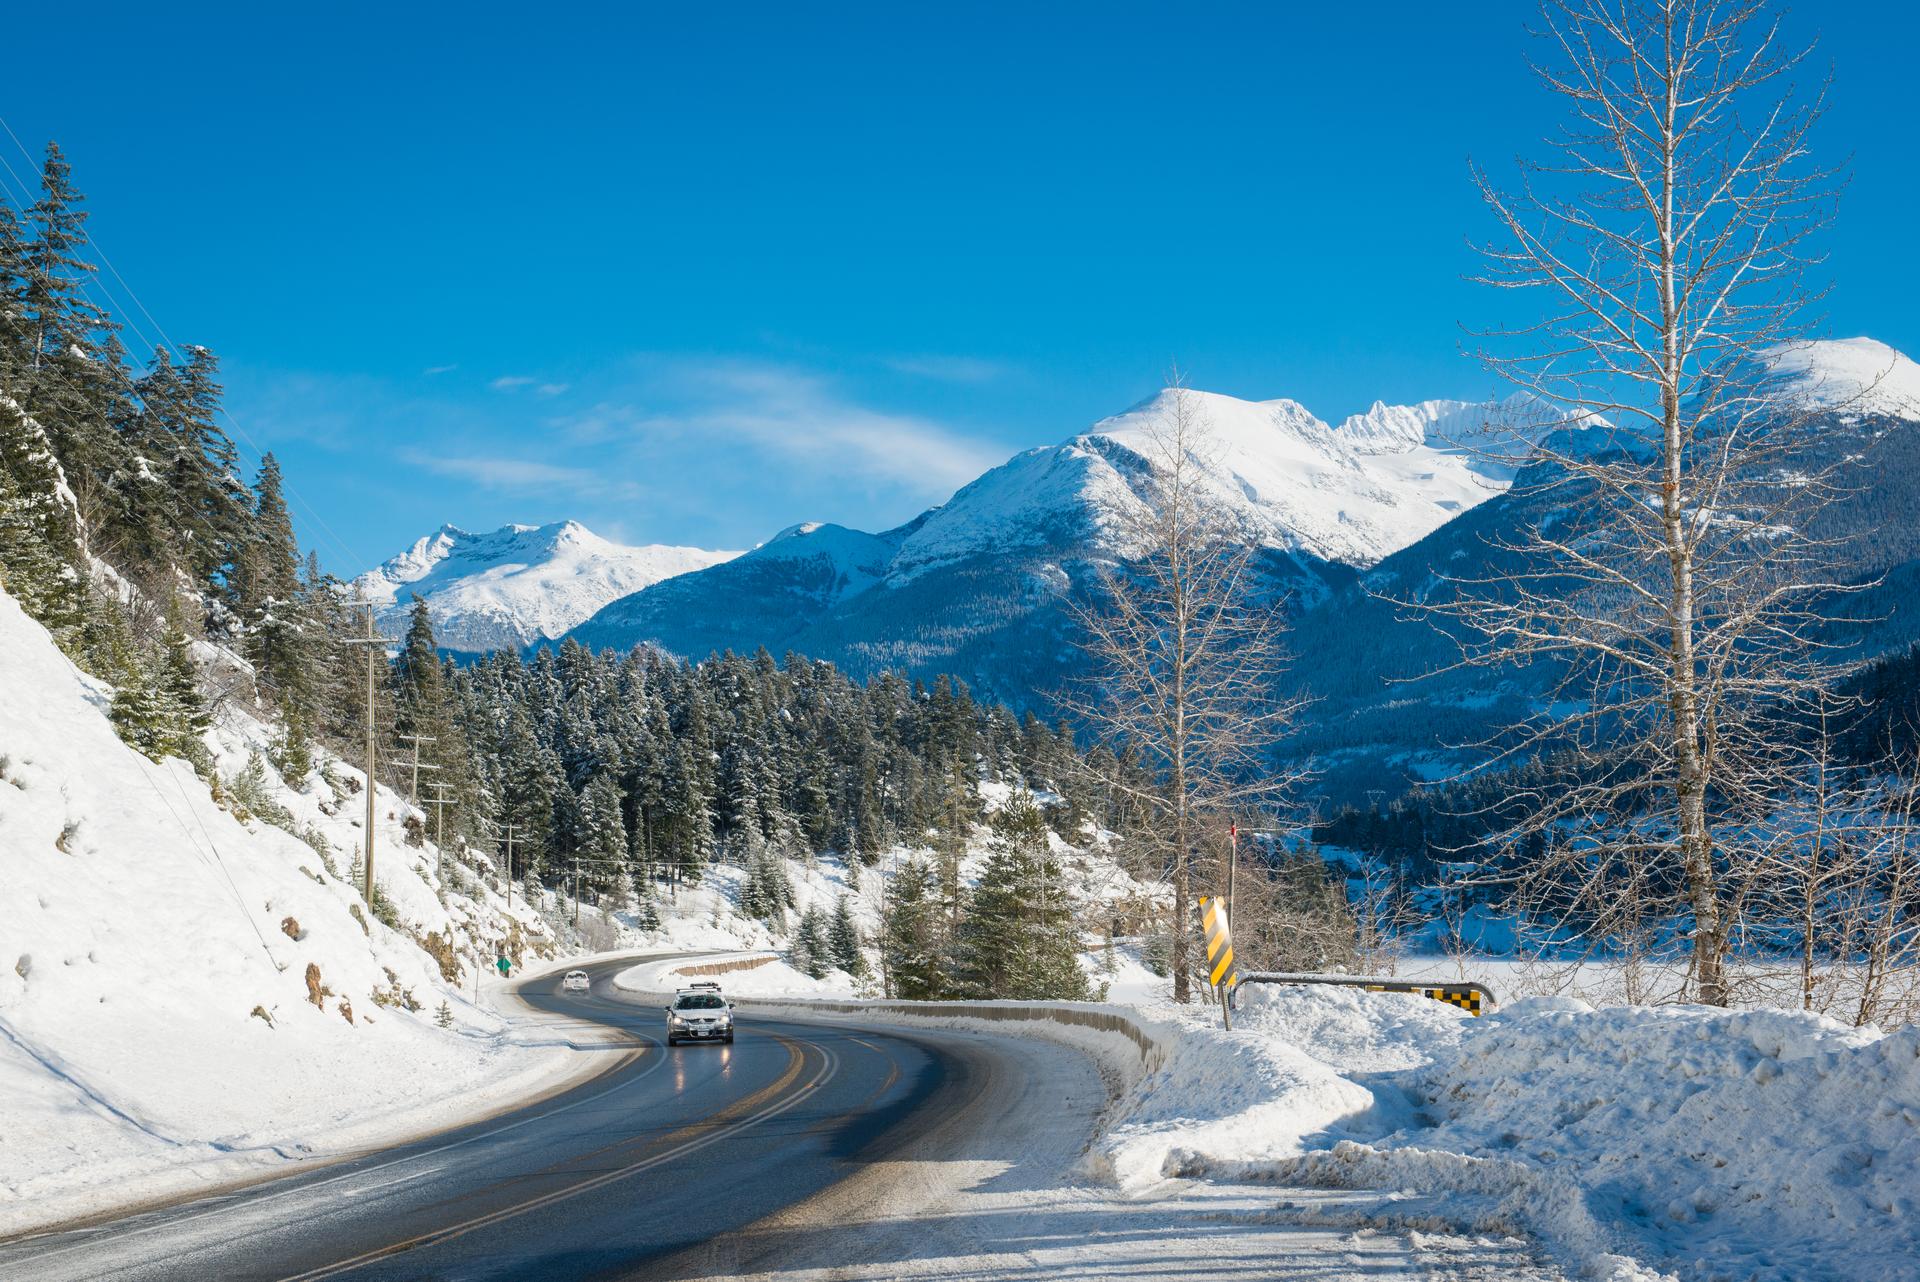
(1658, 258)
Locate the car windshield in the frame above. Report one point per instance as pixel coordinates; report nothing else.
(700, 1001)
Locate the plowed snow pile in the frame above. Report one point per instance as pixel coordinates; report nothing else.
(158, 958)
(1633, 1142)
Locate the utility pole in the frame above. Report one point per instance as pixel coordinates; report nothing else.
(374, 642)
(440, 801)
(416, 740)
(1233, 861)
(510, 831)
(579, 863)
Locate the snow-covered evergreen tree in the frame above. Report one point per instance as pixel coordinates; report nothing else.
(1019, 941)
(910, 945)
(843, 940)
(811, 952)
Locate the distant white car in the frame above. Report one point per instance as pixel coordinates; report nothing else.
(576, 981)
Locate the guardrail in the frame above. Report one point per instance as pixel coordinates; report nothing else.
(725, 967)
(1475, 999)
(1105, 1020)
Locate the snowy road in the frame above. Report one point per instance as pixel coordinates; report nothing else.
(803, 1151)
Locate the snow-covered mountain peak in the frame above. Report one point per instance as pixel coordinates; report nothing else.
(517, 584)
(799, 530)
(1857, 377)
(1277, 473)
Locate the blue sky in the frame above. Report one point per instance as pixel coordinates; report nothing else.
(692, 273)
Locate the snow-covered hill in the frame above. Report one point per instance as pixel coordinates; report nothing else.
(185, 984)
(1357, 652)
(518, 584)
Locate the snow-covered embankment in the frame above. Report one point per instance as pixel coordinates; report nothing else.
(187, 997)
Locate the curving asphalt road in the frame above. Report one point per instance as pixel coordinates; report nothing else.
(665, 1153)
(805, 1152)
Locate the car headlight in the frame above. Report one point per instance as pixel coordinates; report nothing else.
(675, 1019)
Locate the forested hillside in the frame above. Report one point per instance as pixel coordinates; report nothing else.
(642, 768)
(130, 534)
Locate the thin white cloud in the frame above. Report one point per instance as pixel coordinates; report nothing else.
(796, 416)
(510, 382)
(521, 475)
(948, 369)
(552, 389)
(432, 371)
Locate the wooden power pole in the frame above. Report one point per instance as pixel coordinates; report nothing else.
(413, 794)
(373, 641)
(439, 801)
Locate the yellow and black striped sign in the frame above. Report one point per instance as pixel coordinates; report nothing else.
(1466, 999)
(1213, 920)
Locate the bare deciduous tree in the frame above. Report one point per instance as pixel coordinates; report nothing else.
(1185, 642)
(1674, 588)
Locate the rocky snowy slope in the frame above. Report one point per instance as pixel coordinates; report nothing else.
(518, 584)
(186, 983)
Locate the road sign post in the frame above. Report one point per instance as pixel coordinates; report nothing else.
(1222, 973)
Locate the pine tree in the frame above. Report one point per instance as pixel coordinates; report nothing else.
(843, 940)
(143, 713)
(810, 948)
(179, 679)
(72, 379)
(32, 570)
(910, 942)
(267, 594)
(1019, 941)
(767, 883)
(215, 505)
(603, 831)
(14, 333)
(646, 913)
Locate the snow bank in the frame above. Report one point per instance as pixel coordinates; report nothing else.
(185, 996)
(1283, 1083)
(1635, 1141)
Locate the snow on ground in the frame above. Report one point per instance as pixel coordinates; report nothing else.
(1631, 1143)
(187, 996)
(1634, 1142)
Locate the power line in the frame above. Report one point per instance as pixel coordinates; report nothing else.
(179, 353)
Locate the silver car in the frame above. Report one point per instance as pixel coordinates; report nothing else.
(699, 1015)
(576, 981)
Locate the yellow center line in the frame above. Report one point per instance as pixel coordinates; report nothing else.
(706, 1132)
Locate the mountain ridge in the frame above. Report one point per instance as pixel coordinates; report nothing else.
(514, 586)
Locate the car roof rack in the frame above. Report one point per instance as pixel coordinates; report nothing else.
(704, 985)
